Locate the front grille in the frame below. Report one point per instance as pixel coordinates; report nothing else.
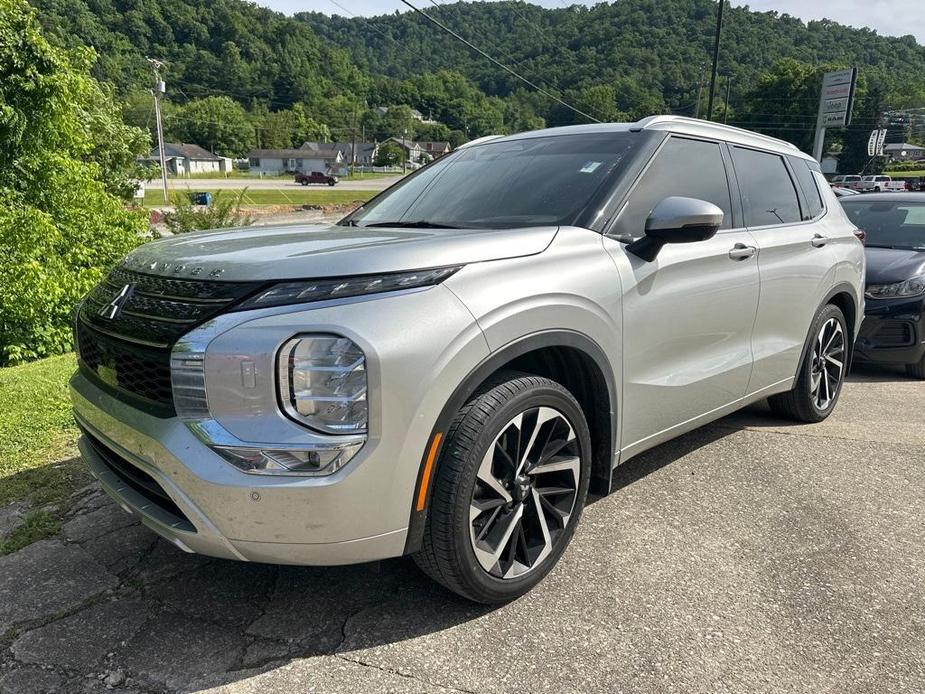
(894, 334)
(142, 483)
(131, 352)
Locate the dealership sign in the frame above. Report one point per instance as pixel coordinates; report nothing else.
(835, 103)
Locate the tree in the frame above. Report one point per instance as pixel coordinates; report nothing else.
(63, 147)
(389, 154)
(217, 123)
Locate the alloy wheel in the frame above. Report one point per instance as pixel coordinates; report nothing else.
(524, 492)
(828, 364)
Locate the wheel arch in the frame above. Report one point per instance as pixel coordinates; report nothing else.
(570, 358)
(844, 296)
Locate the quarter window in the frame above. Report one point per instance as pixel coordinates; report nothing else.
(683, 167)
(768, 194)
(807, 181)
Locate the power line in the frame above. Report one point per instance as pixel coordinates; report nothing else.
(515, 61)
(497, 62)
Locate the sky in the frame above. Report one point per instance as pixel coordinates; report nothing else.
(888, 17)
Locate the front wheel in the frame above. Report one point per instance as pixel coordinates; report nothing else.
(917, 369)
(822, 373)
(509, 490)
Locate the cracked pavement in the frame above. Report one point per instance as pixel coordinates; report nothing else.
(749, 555)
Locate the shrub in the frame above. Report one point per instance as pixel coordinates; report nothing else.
(224, 212)
(63, 147)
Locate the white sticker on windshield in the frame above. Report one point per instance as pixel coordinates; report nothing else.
(590, 167)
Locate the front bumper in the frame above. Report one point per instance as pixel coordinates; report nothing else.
(223, 513)
(893, 332)
(359, 513)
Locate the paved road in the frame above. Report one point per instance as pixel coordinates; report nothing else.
(750, 555)
(275, 183)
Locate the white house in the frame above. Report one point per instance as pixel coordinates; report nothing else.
(184, 159)
(279, 161)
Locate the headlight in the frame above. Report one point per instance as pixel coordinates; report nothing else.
(322, 383)
(910, 287)
(337, 288)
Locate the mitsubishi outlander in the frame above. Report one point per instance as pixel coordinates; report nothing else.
(447, 371)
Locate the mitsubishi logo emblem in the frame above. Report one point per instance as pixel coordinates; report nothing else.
(112, 310)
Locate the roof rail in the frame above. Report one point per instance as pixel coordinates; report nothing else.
(650, 121)
(479, 140)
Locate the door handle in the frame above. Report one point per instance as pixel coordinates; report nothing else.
(819, 240)
(742, 252)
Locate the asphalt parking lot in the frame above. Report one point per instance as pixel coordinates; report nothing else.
(750, 555)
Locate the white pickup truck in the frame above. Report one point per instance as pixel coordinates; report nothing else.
(850, 181)
(881, 184)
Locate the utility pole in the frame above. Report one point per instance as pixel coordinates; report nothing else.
(158, 91)
(404, 156)
(353, 148)
(703, 68)
(728, 89)
(719, 26)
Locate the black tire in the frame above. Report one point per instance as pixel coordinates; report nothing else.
(447, 554)
(800, 403)
(917, 369)
(332, 183)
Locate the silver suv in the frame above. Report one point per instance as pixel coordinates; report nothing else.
(448, 370)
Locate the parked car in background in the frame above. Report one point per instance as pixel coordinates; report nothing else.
(893, 331)
(448, 370)
(848, 181)
(315, 177)
(881, 184)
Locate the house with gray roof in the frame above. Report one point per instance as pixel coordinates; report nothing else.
(183, 159)
(273, 162)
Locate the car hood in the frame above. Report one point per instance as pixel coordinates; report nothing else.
(299, 251)
(888, 265)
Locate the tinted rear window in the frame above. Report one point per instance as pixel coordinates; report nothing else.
(807, 181)
(767, 190)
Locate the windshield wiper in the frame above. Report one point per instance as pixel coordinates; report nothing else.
(419, 224)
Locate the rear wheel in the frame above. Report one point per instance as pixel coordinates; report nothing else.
(822, 372)
(509, 490)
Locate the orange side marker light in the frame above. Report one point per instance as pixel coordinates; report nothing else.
(428, 468)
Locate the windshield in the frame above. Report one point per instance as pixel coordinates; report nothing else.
(532, 182)
(889, 224)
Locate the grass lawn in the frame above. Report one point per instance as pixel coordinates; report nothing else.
(904, 174)
(324, 196)
(38, 462)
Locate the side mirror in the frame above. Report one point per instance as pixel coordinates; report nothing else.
(677, 220)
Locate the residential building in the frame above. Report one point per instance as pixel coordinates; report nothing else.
(279, 161)
(903, 151)
(414, 153)
(435, 149)
(184, 159)
(365, 151)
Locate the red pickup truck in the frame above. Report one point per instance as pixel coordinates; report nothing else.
(315, 177)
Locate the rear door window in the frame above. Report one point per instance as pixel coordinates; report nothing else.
(683, 167)
(807, 182)
(768, 192)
